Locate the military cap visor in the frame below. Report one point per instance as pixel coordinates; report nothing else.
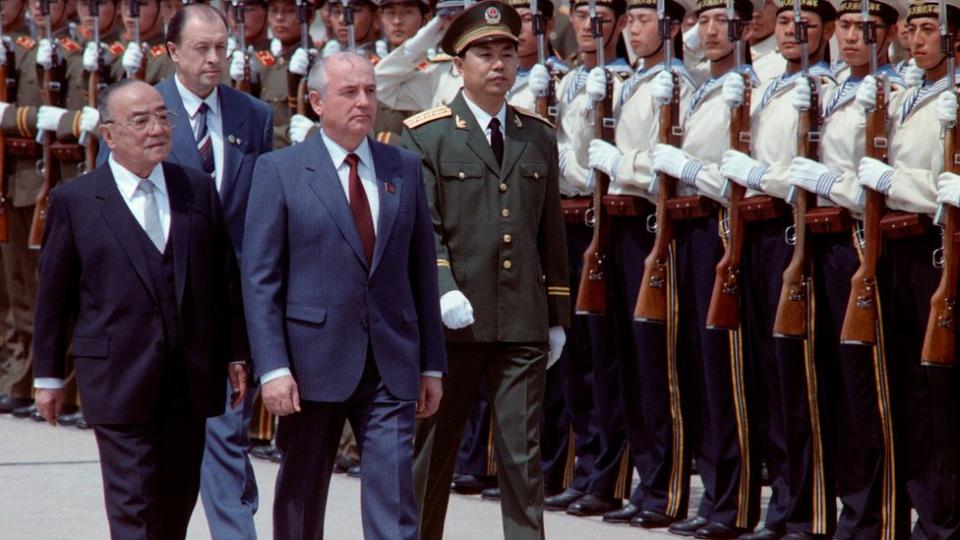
(483, 22)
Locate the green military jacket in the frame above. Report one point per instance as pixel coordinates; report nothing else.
(499, 229)
(274, 90)
(159, 64)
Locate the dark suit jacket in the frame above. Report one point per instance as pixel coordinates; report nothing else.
(312, 301)
(96, 297)
(248, 121)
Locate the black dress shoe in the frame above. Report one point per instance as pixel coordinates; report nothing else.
(342, 464)
(262, 451)
(70, 419)
(9, 403)
(81, 422)
(354, 472)
(687, 527)
(649, 519)
(468, 484)
(490, 494)
(67, 410)
(563, 500)
(591, 505)
(623, 515)
(24, 412)
(762, 534)
(718, 531)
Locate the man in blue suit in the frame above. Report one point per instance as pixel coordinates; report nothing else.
(222, 132)
(340, 291)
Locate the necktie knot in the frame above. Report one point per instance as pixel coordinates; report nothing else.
(146, 186)
(352, 160)
(494, 124)
(202, 109)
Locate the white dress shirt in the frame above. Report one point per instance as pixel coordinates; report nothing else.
(191, 102)
(368, 179)
(483, 117)
(127, 183)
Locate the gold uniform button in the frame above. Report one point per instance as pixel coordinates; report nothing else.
(505, 212)
(507, 264)
(503, 187)
(507, 238)
(461, 175)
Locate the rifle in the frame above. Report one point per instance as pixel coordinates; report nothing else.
(297, 84)
(860, 320)
(351, 27)
(96, 81)
(939, 341)
(592, 296)
(792, 311)
(48, 166)
(245, 84)
(652, 299)
(141, 73)
(546, 102)
(6, 62)
(724, 310)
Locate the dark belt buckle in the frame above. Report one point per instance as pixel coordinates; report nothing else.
(828, 220)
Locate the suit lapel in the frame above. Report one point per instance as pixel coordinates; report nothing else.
(476, 139)
(389, 187)
(233, 126)
(323, 180)
(179, 226)
(513, 145)
(118, 218)
(184, 142)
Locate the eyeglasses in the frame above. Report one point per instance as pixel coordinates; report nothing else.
(142, 122)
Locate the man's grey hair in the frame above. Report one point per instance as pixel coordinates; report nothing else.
(318, 79)
(106, 95)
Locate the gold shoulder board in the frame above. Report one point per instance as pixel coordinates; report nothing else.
(531, 114)
(428, 115)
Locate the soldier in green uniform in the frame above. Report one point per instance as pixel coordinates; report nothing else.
(150, 55)
(285, 27)
(491, 173)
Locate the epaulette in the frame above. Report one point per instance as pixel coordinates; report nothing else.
(266, 58)
(423, 65)
(428, 115)
(441, 57)
(534, 115)
(85, 32)
(389, 137)
(116, 48)
(158, 50)
(26, 42)
(70, 45)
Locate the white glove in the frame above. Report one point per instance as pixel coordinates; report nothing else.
(867, 93)
(89, 119)
(382, 48)
(44, 53)
(732, 91)
(132, 58)
(812, 176)
(539, 79)
(48, 118)
(300, 61)
(947, 108)
(231, 46)
(237, 65)
(276, 47)
(742, 169)
(802, 96)
(455, 310)
(429, 36)
(91, 57)
(913, 75)
(605, 157)
(3, 107)
(558, 338)
(299, 127)
(597, 84)
(3, 52)
(331, 47)
(948, 189)
(662, 87)
(671, 160)
(875, 174)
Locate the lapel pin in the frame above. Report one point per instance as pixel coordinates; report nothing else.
(516, 121)
(461, 123)
(389, 187)
(233, 140)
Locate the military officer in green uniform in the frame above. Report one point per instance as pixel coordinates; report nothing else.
(491, 174)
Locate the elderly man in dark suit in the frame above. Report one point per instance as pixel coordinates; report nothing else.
(340, 291)
(139, 282)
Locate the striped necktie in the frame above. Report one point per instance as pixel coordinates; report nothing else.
(204, 142)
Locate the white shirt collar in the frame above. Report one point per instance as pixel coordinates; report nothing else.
(191, 101)
(483, 117)
(127, 181)
(339, 153)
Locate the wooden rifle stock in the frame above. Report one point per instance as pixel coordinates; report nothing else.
(861, 318)
(52, 95)
(939, 341)
(547, 103)
(652, 299)
(791, 318)
(724, 310)
(592, 295)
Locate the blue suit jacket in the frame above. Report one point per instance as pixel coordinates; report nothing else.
(249, 121)
(313, 303)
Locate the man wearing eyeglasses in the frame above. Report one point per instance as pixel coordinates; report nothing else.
(139, 280)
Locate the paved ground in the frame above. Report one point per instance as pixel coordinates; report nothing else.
(50, 489)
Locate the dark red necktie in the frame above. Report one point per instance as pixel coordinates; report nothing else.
(360, 207)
